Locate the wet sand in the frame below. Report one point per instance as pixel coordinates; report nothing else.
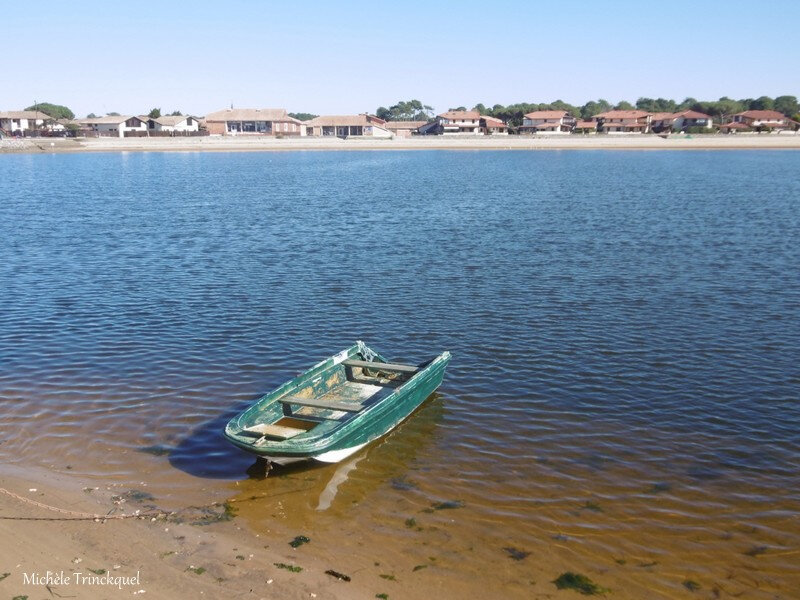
(251, 144)
(173, 559)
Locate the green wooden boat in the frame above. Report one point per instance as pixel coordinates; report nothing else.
(336, 407)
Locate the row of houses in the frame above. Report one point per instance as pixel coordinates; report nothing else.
(550, 122)
(277, 122)
(22, 122)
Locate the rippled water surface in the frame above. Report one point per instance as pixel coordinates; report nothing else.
(625, 329)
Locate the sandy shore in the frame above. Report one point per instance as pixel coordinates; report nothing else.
(175, 555)
(251, 144)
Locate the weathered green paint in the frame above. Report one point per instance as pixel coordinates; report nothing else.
(381, 412)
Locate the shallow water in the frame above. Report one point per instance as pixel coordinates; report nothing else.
(622, 399)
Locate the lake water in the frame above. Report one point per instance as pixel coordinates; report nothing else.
(625, 328)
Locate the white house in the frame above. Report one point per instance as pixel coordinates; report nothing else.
(176, 123)
(624, 121)
(691, 118)
(464, 123)
(767, 120)
(547, 122)
(18, 122)
(363, 125)
(114, 126)
(459, 122)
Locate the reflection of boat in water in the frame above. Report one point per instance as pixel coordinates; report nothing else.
(335, 408)
(328, 489)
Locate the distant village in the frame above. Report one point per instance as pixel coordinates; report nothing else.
(277, 122)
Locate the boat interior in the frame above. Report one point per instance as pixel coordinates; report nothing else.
(325, 400)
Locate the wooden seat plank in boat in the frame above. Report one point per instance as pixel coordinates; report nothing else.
(276, 431)
(378, 366)
(318, 403)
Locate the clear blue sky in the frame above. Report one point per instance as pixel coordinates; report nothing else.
(353, 56)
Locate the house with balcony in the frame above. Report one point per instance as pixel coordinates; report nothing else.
(253, 121)
(547, 122)
(23, 122)
(623, 121)
(679, 121)
(765, 120)
(459, 122)
(464, 123)
(344, 126)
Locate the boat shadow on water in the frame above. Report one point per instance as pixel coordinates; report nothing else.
(206, 453)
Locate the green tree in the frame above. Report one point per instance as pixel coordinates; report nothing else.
(176, 113)
(664, 105)
(53, 110)
(113, 114)
(762, 103)
(623, 105)
(687, 103)
(154, 113)
(593, 108)
(308, 116)
(787, 105)
(481, 109)
(727, 107)
(91, 116)
(405, 110)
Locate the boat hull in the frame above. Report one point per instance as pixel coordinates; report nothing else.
(333, 438)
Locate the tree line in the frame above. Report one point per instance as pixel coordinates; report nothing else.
(512, 114)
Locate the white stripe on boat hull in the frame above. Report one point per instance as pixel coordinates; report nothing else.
(332, 456)
(335, 456)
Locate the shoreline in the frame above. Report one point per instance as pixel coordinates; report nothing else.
(163, 556)
(269, 144)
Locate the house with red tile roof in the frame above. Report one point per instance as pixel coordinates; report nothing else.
(493, 126)
(623, 121)
(679, 121)
(459, 122)
(464, 122)
(253, 121)
(585, 127)
(547, 122)
(733, 127)
(765, 120)
(662, 121)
